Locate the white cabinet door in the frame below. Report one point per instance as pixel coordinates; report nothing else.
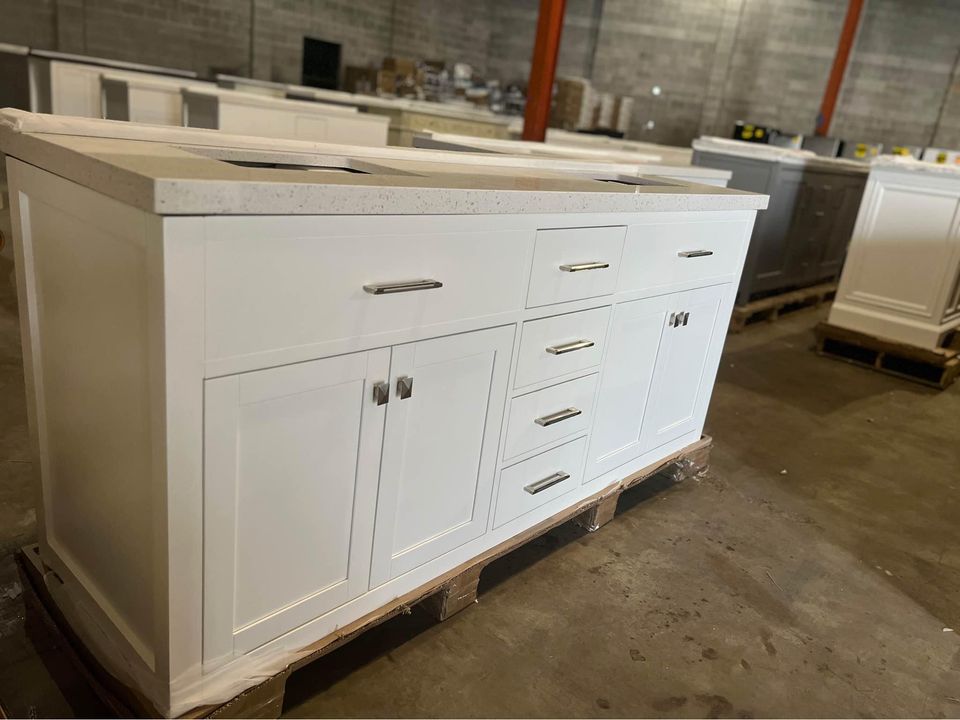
(440, 447)
(686, 366)
(633, 344)
(290, 484)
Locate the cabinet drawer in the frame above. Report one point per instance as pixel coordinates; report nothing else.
(575, 263)
(559, 345)
(550, 414)
(267, 289)
(535, 482)
(672, 253)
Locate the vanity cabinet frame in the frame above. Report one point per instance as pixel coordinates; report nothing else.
(147, 275)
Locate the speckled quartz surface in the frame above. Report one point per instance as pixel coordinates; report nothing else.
(909, 164)
(179, 171)
(772, 153)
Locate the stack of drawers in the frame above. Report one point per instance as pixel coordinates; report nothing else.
(557, 369)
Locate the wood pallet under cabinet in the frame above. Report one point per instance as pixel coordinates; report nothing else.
(443, 597)
(935, 368)
(771, 308)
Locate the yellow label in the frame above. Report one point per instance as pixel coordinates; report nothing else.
(861, 150)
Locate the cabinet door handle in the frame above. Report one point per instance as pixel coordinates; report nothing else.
(694, 253)
(541, 485)
(399, 287)
(570, 347)
(686, 317)
(584, 266)
(381, 393)
(404, 387)
(553, 418)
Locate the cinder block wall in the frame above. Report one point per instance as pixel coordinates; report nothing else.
(715, 61)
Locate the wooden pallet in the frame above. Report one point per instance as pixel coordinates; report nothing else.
(771, 308)
(934, 368)
(443, 597)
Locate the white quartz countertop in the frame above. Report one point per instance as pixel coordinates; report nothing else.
(772, 153)
(909, 164)
(191, 171)
(546, 155)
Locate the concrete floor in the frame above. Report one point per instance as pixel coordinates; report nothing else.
(813, 572)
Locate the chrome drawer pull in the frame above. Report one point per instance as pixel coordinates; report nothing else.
(381, 393)
(695, 253)
(584, 266)
(552, 418)
(540, 485)
(404, 387)
(399, 287)
(570, 347)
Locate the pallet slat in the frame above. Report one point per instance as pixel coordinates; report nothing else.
(937, 368)
(442, 597)
(770, 308)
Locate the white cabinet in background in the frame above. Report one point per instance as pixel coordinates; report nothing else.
(440, 447)
(901, 280)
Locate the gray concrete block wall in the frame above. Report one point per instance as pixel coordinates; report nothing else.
(716, 61)
(900, 71)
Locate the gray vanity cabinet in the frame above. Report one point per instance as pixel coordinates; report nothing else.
(801, 239)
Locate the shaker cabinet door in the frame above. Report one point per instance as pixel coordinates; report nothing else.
(686, 366)
(290, 484)
(440, 447)
(633, 344)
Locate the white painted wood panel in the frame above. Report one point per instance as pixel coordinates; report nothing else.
(633, 345)
(901, 276)
(292, 456)
(675, 404)
(529, 425)
(284, 282)
(560, 253)
(670, 253)
(558, 345)
(520, 486)
(440, 447)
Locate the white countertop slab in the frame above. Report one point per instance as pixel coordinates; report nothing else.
(772, 153)
(909, 164)
(182, 171)
(548, 156)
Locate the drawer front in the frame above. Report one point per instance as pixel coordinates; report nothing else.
(538, 480)
(671, 253)
(575, 263)
(266, 293)
(541, 417)
(559, 345)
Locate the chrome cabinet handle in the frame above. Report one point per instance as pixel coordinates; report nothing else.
(570, 347)
(541, 485)
(404, 387)
(695, 253)
(584, 266)
(399, 287)
(552, 418)
(381, 393)
(678, 319)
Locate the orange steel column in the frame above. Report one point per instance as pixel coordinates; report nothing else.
(844, 45)
(542, 69)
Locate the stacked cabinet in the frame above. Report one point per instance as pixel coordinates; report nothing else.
(801, 240)
(320, 414)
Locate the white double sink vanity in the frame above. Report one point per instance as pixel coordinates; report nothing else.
(274, 387)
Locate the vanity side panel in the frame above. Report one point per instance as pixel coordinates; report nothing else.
(88, 292)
